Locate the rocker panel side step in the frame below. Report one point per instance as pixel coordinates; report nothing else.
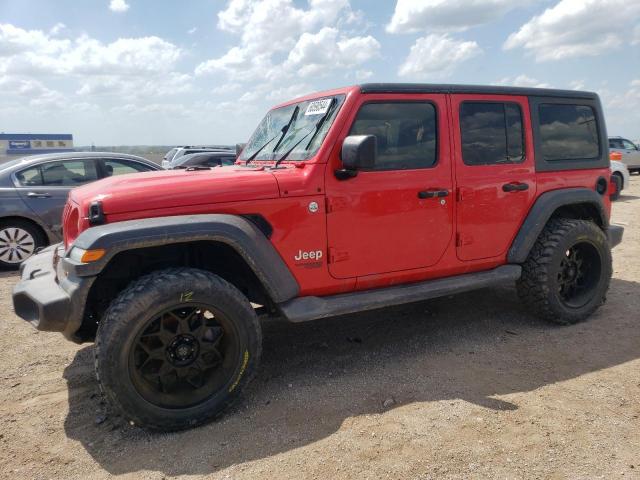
(303, 309)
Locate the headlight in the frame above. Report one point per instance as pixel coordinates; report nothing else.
(81, 255)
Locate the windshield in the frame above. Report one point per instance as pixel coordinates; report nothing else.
(282, 128)
(169, 155)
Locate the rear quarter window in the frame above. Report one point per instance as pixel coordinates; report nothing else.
(568, 132)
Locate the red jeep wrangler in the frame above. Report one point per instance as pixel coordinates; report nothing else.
(342, 201)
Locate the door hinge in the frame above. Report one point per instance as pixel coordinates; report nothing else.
(336, 256)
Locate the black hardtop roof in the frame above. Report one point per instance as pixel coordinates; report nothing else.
(480, 89)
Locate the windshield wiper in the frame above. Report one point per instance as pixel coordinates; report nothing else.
(255, 154)
(282, 134)
(315, 131)
(286, 128)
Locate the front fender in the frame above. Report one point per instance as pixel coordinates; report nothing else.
(237, 232)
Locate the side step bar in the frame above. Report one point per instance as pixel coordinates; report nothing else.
(303, 309)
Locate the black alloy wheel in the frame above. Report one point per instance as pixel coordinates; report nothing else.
(579, 274)
(183, 355)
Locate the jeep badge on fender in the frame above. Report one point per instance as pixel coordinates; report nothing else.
(416, 191)
(313, 255)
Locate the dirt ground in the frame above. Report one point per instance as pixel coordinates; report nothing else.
(470, 386)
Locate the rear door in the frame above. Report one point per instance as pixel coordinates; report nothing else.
(495, 172)
(398, 215)
(45, 187)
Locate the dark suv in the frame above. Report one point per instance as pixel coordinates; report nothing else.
(342, 201)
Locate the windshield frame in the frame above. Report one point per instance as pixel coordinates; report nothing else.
(293, 134)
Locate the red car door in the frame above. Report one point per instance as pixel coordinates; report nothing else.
(398, 215)
(495, 172)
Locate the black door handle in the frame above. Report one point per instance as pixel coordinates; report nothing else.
(432, 193)
(515, 187)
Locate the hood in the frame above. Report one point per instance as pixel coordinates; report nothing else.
(176, 188)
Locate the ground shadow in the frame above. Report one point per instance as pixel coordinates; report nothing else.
(624, 198)
(314, 376)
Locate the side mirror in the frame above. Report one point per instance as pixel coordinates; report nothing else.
(358, 153)
(239, 148)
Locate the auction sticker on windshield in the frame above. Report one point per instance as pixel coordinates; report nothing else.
(318, 107)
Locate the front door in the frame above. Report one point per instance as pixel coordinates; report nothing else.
(398, 215)
(495, 172)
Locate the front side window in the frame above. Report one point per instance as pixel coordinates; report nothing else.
(298, 129)
(406, 133)
(491, 133)
(628, 145)
(568, 132)
(30, 177)
(69, 173)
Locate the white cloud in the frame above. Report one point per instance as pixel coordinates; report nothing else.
(14, 41)
(523, 81)
(279, 41)
(35, 52)
(119, 6)
(57, 28)
(577, 28)
(577, 85)
(627, 100)
(412, 16)
(193, 30)
(622, 109)
(127, 69)
(170, 109)
(436, 56)
(136, 87)
(316, 54)
(363, 75)
(32, 90)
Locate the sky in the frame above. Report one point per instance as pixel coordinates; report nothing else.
(145, 72)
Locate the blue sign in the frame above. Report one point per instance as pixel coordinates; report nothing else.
(19, 144)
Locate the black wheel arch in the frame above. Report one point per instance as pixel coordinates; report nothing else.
(576, 203)
(231, 246)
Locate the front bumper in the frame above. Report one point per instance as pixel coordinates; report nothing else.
(51, 298)
(614, 234)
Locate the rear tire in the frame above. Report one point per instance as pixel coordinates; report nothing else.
(567, 273)
(19, 240)
(176, 348)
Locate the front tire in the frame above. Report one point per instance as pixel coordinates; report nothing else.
(567, 273)
(176, 348)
